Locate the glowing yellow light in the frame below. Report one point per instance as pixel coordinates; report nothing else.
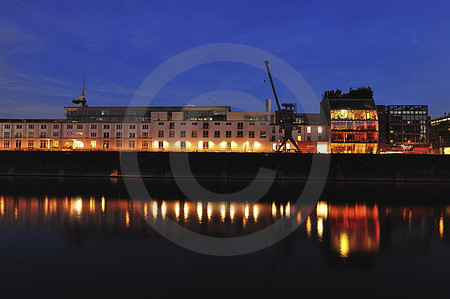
(209, 211)
(232, 209)
(246, 211)
(78, 144)
(344, 245)
(274, 210)
(177, 210)
(46, 205)
(223, 144)
(200, 145)
(257, 144)
(93, 144)
(233, 144)
(2, 206)
(223, 212)
(322, 209)
(145, 211)
(103, 204)
(441, 227)
(287, 212)
(91, 204)
(281, 210)
(163, 209)
(155, 144)
(320, 227)
(308, 226)
(185, 211)
(255, 212)
(199, 211)
(77, 206)
(155, 209)
(127, 219)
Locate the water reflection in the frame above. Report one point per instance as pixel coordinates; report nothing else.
(343, 229)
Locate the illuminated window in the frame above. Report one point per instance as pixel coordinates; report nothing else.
(30, 143)
(308, 130)
(262, 134)
(105, 144)
(6, 144)
(93, 144)
(43, 144)
(144, 145)
(319, 130)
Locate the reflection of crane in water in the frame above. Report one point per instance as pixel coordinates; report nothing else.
(285, 116)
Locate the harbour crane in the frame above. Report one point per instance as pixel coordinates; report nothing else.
(81, 100)
(284, 116)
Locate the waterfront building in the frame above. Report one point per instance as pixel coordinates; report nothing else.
(440, 134)
(404, 128)
(354, 125)
(190, 128)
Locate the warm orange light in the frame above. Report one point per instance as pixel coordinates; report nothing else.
(274, 210)
(441, 227)
(163, 209)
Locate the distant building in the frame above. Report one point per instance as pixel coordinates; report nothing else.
(354, 125)
(440, 134)
(190, 128)
(404, 127)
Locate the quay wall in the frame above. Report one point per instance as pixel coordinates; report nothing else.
(342, 167)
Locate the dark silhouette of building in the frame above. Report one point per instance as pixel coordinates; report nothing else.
(440, 134)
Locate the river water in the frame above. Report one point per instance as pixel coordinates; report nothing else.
(68, 237)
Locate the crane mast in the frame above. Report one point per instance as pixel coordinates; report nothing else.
(286, 115)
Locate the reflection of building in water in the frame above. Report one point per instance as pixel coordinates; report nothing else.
(354, 229)
(101, 214)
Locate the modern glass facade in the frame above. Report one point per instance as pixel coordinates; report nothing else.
(354, 125)
(407, 125)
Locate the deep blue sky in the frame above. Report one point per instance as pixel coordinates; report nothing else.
(400, 48)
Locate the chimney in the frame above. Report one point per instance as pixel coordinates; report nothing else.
(268, 105)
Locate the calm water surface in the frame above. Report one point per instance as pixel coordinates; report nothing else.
(86, 238)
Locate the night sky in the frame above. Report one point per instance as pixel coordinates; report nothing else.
(399, 48)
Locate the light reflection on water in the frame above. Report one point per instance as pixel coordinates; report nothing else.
(348, 229)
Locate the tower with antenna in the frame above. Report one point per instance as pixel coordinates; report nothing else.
(81, 100)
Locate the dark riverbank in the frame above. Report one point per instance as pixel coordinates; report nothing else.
(346, 167)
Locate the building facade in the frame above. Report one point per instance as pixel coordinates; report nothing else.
(353, 125)
(191, 128)
(440, 134)
(405, 127)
